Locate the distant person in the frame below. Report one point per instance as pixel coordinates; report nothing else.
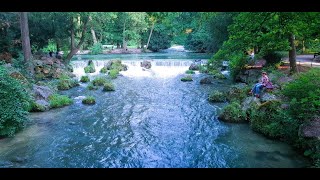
(264, 82)
(50, 53)
(252, 55)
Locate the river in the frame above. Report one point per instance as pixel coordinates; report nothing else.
(151, 120)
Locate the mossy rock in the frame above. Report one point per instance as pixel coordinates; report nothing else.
(113, 73)
(99, 81)
(217, 96)
(190, 72)
(84, 79)
(57, 100)
(108, 87)
(186, 78)
(103, 70)
(90, 69)
(92, 87)
(233, 113)
(89, 100)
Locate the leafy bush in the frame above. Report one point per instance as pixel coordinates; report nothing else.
(233, 113)
(273, 57)
(187, 78)
(114, 73)
(304, 93)
(103, 70)
(90, 69)
(96, 49)
(89, 100)
(217, 74)
(236, 93)
(108, 86)
(92, 87)
(217, 96)
(85, 79)
(15, 102)
(190, 72)
(99, 81)
(65, 82)
(237, 63)
(57, 100)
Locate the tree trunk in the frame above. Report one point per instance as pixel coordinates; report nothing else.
(292, 54)
(150, 35)
(94, 36)
(303, 47)
(124, 42)
(26, 41)
(74, 50)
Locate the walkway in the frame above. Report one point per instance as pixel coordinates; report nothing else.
(305, 60)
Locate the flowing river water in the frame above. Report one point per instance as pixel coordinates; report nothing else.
(151, 120)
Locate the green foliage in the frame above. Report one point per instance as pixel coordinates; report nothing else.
(96, 49)
(161, 38)
(84, 79)
(237, 63)
(233, 113)
(65, 82)
(99, 81)
(217, 74)
(35, 107)
(273, 58)
(108, 86)
(217, 96)
(15, 101)
(91, 86)
(237, 93)
(50, 47)
(190, 72)
(187, 78)
(57, 100)
(304, 93)
(203, 69)
(103, 70)
(90, 68)
(89, 100)
(113, 73)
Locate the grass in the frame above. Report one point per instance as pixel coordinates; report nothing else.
(57, 100)
(89, 100)
(186, 78)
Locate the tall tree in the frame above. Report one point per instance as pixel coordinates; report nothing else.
(26, 41)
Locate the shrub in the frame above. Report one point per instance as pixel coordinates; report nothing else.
(190, 72)
(92, 87)
(99, 81)
(15, 101)
(237, 63)
(217, 74)
(65, 82)
(89, 100)
(103, 70)
(273, 57)
(96, 49)
(237, 93)
(114, 73)
(90, 69)
(233, 113)
(186, 78)
(85, 79)
(108, 86)
(35, 107)
(57, 100)
(304, 93)
(217, 96)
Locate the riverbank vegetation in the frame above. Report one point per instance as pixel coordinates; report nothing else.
(36, 49)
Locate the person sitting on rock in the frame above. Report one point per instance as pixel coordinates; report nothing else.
(264, 82)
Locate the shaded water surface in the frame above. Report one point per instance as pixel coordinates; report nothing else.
(151, 120)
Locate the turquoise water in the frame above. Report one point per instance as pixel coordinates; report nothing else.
(151, 120)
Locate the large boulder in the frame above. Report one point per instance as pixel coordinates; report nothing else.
(249, 76)
(194, 67)
(42, 92)
(41, 105)
(146, 64)
(311, 129)
(207, 80)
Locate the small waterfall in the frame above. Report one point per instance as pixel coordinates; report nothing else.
(159, 67)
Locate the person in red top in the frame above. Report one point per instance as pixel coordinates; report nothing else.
(264, 82)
